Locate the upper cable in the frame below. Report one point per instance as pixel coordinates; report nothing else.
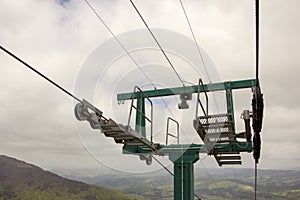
(161, 49)
(39, 73)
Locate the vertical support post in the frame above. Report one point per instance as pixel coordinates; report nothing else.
(178, 181)
(188, 187)
(229, 100)
(184, 174)
(140, 125)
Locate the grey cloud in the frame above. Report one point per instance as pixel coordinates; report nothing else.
(57, 40)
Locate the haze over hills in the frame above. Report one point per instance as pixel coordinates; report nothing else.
(219, 183)
(20, 180)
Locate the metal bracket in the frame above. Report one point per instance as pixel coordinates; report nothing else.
(184, 97)
(83, 112)
(147, 158)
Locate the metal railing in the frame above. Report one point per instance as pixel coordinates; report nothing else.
(169, 134)
(140, 111)
(199, 101)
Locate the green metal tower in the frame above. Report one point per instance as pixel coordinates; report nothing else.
(216, 130)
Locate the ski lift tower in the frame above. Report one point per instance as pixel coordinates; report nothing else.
(216, 130)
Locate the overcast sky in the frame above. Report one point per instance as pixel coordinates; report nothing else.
(57, 37)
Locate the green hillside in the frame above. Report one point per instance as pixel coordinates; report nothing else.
(22, 181)
(219, 184)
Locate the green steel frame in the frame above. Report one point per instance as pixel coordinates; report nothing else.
(140, 121)
(185, 155)
(241, 84)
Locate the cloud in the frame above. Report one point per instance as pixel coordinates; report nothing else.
(36, 119)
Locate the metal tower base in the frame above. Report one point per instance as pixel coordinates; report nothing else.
(184, 174)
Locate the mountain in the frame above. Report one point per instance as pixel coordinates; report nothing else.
(221, 184)
(20, 180)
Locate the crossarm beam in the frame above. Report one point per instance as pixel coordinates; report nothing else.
(163, 150)
(241, 84)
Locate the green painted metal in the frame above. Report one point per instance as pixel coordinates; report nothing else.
(165, 150)
(177, 181)
(185, 155)
(188, 175)
(140, 121)
(241, 84)
(229, 100)
(184, 174)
